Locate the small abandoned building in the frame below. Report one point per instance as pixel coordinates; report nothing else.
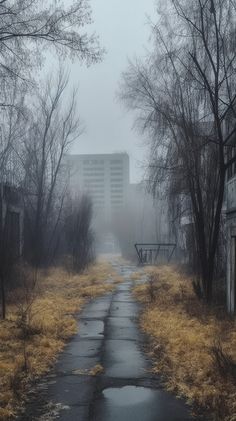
(11, 220)
(231, 238)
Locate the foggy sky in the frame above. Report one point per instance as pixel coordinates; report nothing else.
(124, 32)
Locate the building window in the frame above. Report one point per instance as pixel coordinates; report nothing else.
(89, 170)
(116, 196)
(115, 168)
(116, 174)
(93, 162)
(94, 181)
(115, 190)
(116, 161)
(116, 202)
(94, 174)
(114, 185)
(231, 152)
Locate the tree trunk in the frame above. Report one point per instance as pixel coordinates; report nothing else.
(3, 299)
(213, 245)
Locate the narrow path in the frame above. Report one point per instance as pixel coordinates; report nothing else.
(126, 390)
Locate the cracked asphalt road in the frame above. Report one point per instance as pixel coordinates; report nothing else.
(126, 390)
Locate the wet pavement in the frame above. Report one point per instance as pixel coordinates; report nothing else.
(126, 390)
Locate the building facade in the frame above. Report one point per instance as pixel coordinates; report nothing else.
(104, 177)
(231, 241)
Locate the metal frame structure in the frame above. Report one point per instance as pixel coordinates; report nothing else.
(148, 252)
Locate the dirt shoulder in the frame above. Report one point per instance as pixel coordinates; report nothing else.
(38, 325)
(192, 346)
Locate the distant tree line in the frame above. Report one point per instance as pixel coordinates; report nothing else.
(38, 123)
(184, 93)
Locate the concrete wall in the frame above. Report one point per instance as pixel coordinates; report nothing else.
(231, 243)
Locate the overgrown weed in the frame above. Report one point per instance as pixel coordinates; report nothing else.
(193, 346)
(40, 319)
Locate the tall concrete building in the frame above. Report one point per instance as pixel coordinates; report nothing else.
(104, 177)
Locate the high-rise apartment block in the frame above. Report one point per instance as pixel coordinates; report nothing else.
(105, 178)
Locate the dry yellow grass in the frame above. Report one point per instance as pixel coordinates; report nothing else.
(192, 346)
(137, 275)
(27, 354)
(94, 371)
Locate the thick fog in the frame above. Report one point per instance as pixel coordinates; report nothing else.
(123, 31)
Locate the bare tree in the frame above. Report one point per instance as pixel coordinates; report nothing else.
(27, 24)
(185, 94)
(27, 27)
(52, 130)
(78, 233)
(11, 133)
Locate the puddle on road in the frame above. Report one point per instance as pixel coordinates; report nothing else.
(128, 395)
(140, 404)
(129, 403)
